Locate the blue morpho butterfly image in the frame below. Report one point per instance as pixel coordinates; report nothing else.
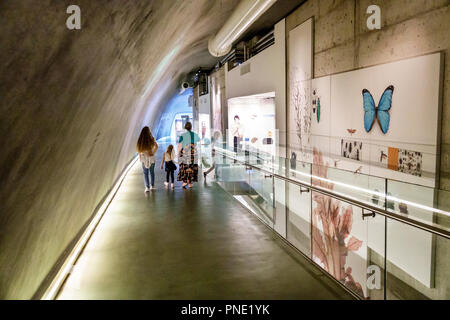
(381, 113)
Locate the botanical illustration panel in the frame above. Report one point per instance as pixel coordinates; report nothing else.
(335, 247)
(300, 100)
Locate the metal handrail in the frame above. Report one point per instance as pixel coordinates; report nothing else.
(421, 225)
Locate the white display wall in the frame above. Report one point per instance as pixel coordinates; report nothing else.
(413, 123)
(407, 152)
(327, 115)
(266, 72)
(413, 126)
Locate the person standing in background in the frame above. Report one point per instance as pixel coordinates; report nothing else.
(168, 161)
(188, 157)
(147, 147)
(215, 141)
(237, 133)
(203, 130)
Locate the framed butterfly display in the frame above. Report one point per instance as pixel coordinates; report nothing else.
(380, 112)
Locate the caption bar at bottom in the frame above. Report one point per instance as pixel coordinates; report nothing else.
(228, 309)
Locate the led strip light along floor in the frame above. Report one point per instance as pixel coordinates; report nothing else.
(62, 274)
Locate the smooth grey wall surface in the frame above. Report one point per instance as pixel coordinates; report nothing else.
(72, 104)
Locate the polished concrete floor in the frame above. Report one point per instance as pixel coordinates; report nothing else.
(189, 244)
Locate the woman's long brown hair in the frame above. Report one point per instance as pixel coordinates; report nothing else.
(146, 142)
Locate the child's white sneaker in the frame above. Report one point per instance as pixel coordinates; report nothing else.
(147, 190)
(166, 184)
(152, 188)
(173, 186)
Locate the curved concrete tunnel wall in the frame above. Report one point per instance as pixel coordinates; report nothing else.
(73, 103)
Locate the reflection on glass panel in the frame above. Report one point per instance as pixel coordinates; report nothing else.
(262, 184)
(339, 241)
(300, 171)
(262, 194)
(419, 202)
(206, 159)
(253, 158)
(376, 239)
(280, 187)
(417, 263)
(442, 203)
(299, 218)
(280, 166)
(361, 187)
(232, 173)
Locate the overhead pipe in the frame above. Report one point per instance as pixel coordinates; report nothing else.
(247, 12)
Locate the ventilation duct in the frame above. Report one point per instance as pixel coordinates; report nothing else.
(247, 12)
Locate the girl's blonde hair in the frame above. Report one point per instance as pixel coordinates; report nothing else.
(146, 142)
(169, 149)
